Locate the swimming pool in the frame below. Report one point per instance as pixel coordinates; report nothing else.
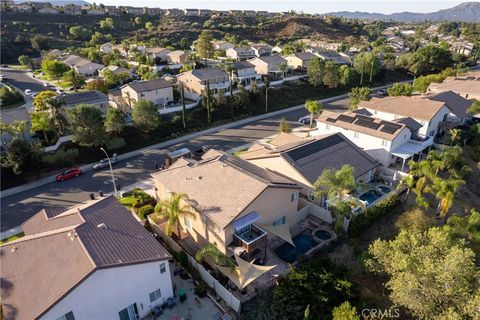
(303, 242)
(370, 196)
(323, 234)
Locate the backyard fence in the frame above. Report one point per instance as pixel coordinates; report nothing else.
(314, 210)
(229, 299)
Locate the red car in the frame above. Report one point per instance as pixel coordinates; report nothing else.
(69, 174)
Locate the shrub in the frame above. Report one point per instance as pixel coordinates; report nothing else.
(116, 143)
(201, 290)
(61, 157)
(361, 222)
(144, 211)
(128, 201)
(9, 96)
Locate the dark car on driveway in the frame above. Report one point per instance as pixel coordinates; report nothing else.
(69, 174)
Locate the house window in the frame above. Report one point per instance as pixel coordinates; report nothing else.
(163, 269)
(188, 222)
(129, 313)
(155, 295)
(356, 135)
(384, 143)
(293, 196)
(67, 316)
(279, 222)
(311, 195)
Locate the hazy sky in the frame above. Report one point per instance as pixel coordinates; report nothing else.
(310, 6)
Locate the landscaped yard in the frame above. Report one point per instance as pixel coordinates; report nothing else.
(11, 238)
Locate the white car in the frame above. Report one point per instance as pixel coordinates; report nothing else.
(305, 120)
(104, 162)
(28, 91)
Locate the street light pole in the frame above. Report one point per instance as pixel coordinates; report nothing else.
(266, 99)
(413, 74)
(111, 172)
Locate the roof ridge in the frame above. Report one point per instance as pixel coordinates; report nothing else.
(40, 235)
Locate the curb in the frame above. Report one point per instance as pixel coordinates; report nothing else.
(172, 142)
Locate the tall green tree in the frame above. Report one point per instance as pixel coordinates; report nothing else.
(41, 121)
(74, 78)
(86, 124)
(57, 114)
(204, 46)
(430, 274)
(313, 107)
(25, 61)
(283, 67)
(400, 89)
(184, 110)
(474, 109)
(331, 77)
(54, 69)
(40, 100)
(145, 115)
(358, 94)
(115, 121)
(315, 71)
(345, 75)
(284, 126)
(173, 210)
(107, 23)
(366, 63)
(345, 311)
(21, 157)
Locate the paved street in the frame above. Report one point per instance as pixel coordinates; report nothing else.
(19, 207)
(21, 80)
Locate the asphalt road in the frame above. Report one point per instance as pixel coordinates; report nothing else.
(17, 208)
(21, 80)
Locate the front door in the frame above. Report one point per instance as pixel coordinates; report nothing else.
(129, 313)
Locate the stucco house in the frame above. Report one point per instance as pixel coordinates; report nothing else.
(268, 65)
(468, 88)
(331, 55)
(240, 53)
(222, 45)
(304, 160)
(245, 73)
(106, 47)
(93, 261)
(385, 141)
(457, 104)
(177, 57)
(157, 53)
(241, 197)
(81, 65)
(116, 70)
(261, 49)
(158, 91)
(299, 60)
(429, 113)
(196, 80)
(95, 98)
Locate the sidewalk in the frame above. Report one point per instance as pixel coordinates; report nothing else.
(169, 143)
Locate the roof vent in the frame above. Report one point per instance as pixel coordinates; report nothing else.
(102, 226)
(14, 249)
(187, 178)
(199, 178)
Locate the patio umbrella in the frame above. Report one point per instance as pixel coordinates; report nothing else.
(283, 231)
(245, 273)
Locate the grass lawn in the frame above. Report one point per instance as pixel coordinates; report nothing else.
(12, 106)
(239, 152)
(11, 238)
(17, 67)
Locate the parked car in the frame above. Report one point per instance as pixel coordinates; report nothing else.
(104, 162)
(305, 120)
(382, 92)
(207, 147)
(4, 65)
(28, 91)
(69, 174)
(59, 91)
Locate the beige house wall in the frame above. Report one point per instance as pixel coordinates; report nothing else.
(295, 62)
(190, 82)
(156, 96)
(260, 66)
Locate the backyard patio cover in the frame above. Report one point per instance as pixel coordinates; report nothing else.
(245, 220)
(283, 231)
(406, 151)
(245, 273)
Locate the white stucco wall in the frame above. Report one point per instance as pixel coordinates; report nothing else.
(108, 291)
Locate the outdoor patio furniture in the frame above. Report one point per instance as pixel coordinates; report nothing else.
(170, 302)
(216, 316)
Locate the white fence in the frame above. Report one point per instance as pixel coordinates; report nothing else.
(314, 210)
(178, 108)
(221, 291)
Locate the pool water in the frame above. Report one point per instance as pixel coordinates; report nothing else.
(303, 242)
(384, 189)
(323, 234)
(370, 196)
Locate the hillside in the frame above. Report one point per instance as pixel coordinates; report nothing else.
(18, 29)
(467, 12)
(58, 2)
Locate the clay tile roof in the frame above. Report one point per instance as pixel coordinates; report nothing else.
(415, 107)
(148, 85)
(458, 105)
(38, 270)
(232, 184)
(458, 86)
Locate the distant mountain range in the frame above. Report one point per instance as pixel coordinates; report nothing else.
(57, 2)
(467, 11)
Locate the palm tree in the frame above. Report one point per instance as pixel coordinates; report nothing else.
(173, 209)
(55, 106)
(454, 135)
(314, 107)
(283, 66)
(182, 94)
(128, 99)
(407, 182)
(444, 191)
(19, 127)
(42, 122)
(218, 257)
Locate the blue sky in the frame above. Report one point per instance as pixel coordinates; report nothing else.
(310, 6)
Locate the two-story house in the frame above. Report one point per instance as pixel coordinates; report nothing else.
(457, 104)
(240, 53)
(231, 199)
(299, 60)
(268, 65)
(261, 49)
(196, 80)
(158, 91)
(468, 88)
(177, 57)
(245, 73)
(93, 261)
(81, 65)
(385, 141)
(158, 53)
(95, 98)
(429, 113)
(304, 160)
(222, 45)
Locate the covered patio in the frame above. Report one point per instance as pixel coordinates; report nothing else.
(411, 148)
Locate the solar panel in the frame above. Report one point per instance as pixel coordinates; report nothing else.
(367, 124)
(345, 118)
(366, 118)
(391, 124)
(389, 129)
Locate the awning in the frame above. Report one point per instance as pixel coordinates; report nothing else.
(245, 273)
(283, 231)
(407, 150)
(245, 220)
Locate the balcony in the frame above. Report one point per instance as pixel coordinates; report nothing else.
(250, 238)
(421, 141)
